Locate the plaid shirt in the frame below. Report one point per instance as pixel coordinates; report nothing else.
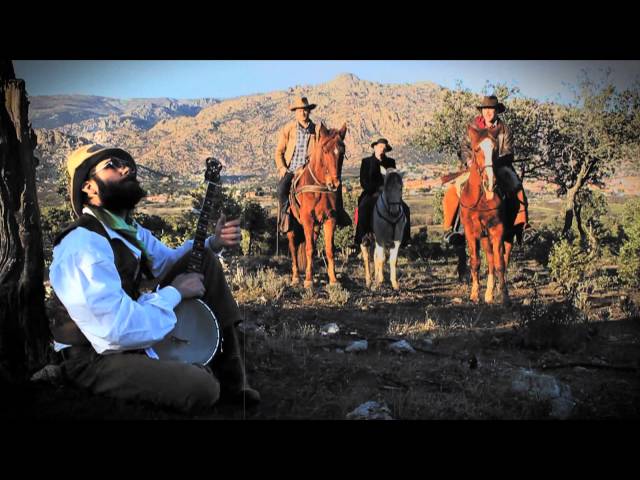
(300, 153)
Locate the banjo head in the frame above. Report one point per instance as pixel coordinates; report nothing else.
(196, 336)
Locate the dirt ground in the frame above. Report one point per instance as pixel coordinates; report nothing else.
(465, 362)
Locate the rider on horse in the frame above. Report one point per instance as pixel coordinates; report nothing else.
(490, 108)
(296, 141)
(372, 171)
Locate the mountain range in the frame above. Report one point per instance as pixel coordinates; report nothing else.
(175, 136)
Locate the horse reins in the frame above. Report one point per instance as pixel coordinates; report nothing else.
(482, 186)
(317, 187)
(393, 223)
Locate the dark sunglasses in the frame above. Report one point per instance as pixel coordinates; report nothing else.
(114, 163)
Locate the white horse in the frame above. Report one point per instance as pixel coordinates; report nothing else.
(388, 223)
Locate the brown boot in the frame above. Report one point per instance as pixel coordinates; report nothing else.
(231, 372)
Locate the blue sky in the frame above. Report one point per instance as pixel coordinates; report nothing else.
(543, 80)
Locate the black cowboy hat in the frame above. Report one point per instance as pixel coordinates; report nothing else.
(302, 102)
(385, 141)
(492, 102)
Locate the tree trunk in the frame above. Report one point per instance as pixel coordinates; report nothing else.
(569, 210)
(24, 329)
(572, 194)
(578, 216)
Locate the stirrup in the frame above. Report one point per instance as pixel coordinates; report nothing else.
(452, 237)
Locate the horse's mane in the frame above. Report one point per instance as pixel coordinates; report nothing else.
(392, 175)
(331, 134)
(482, 132)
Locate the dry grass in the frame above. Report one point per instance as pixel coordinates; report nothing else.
(263, 286)
(412, 329)
(338, 295)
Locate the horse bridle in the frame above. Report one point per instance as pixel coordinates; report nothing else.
(392, 222)
(318, 187)
(483, 186)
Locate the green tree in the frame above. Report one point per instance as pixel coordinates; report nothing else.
(571, 146)
(447, 129)
(629, 259)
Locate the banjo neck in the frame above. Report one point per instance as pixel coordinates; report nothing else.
(212, 177)
(197, 253)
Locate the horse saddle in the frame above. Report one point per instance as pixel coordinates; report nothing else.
(294, 204)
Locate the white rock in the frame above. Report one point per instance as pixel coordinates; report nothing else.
(357, 346)
(401, 347)
(542, 387)
(329, 329)
(562, 407)
(545, 387)
(370, 411)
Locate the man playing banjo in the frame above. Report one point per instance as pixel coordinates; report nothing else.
(96, 270)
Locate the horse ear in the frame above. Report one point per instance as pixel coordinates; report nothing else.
(343, 130)
(321, 131)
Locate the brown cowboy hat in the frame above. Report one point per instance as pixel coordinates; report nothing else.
(81, 161)
(302, 102)
(384, 141)
(492, 102)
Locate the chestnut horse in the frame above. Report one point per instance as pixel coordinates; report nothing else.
(482, 214)
(316, 192)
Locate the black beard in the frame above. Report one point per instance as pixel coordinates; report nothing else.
(118, 196)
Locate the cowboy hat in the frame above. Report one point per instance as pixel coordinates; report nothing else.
(384, 141)
(302, 102)
(492, 102)
(81, 161)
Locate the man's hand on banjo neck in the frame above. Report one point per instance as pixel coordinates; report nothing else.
(227, 234)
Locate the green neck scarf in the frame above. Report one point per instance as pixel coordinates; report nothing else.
(124, 227)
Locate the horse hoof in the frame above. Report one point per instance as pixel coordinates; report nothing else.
(396, 287)
(295, 281)
(308, 284)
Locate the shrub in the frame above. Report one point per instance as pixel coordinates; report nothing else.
(568, 266)
(338, 295)
(265, 285)
(559, 325)
(629, 259)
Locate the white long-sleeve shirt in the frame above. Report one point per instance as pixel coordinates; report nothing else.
(83, 275)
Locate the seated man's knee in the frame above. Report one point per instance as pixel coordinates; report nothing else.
(203, 392)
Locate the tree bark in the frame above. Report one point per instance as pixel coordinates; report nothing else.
(24, 329)
(572, 194)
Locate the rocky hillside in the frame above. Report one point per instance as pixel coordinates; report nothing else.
(241, 132)
(79, 113)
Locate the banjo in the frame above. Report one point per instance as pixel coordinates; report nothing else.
(196, 337)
